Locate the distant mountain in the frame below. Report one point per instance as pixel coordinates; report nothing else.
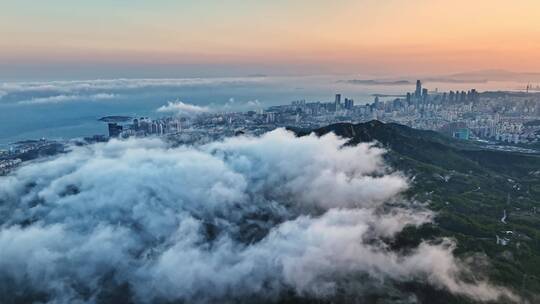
(489, 75)
(115, 118)
(470, 188)
(481, 76)
(376, 82)
(433, 148)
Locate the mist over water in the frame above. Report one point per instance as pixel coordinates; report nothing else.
(67, 109)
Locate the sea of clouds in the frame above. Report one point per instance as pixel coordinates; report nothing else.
(182, 109)
(244, 219)
(54, 92)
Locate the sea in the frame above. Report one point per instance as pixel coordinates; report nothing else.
(72, 108)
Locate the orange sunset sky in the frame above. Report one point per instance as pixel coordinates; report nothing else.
(278, 36)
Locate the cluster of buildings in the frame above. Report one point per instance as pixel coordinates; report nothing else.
(25, 151)
(7, 165)
(495, 116)
(145, 126)
(506, 117)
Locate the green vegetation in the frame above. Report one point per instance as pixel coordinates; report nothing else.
(470, 188)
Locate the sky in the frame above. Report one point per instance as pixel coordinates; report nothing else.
(64, 39)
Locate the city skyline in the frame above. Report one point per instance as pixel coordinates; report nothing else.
(65, 40)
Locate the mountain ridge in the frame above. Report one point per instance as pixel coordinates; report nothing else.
(470, 189)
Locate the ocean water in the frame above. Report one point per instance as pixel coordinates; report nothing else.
(69, 109)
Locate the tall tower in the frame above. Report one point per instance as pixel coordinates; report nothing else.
(424, 95)
(114, 129)
(338, 102)
(418, 91)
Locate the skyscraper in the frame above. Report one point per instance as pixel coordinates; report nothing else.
(425, 95)
(451, 96)
(349, 104)
(114, 130)
(418, 91)
(463, 96)
(338, 102)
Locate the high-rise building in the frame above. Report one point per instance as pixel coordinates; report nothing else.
(349, 104)
(451, 96)
(270, 117)
(463, 96)
(338, 102)
(114, 129)
(425, 95)
(474, 95)
(396, 104)
(418, 91)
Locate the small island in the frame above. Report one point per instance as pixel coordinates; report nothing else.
(115, 119)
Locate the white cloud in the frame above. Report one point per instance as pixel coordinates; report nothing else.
(185, 109)
(67, 98)
(66, 91)
(233, 105)
(118, 84)
(253, 103)
(242, 219)
(182, 109)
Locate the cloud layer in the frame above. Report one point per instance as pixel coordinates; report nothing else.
(238, 220)
(67, 98)
(63, 91)
(114, 84)
(180, 108)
